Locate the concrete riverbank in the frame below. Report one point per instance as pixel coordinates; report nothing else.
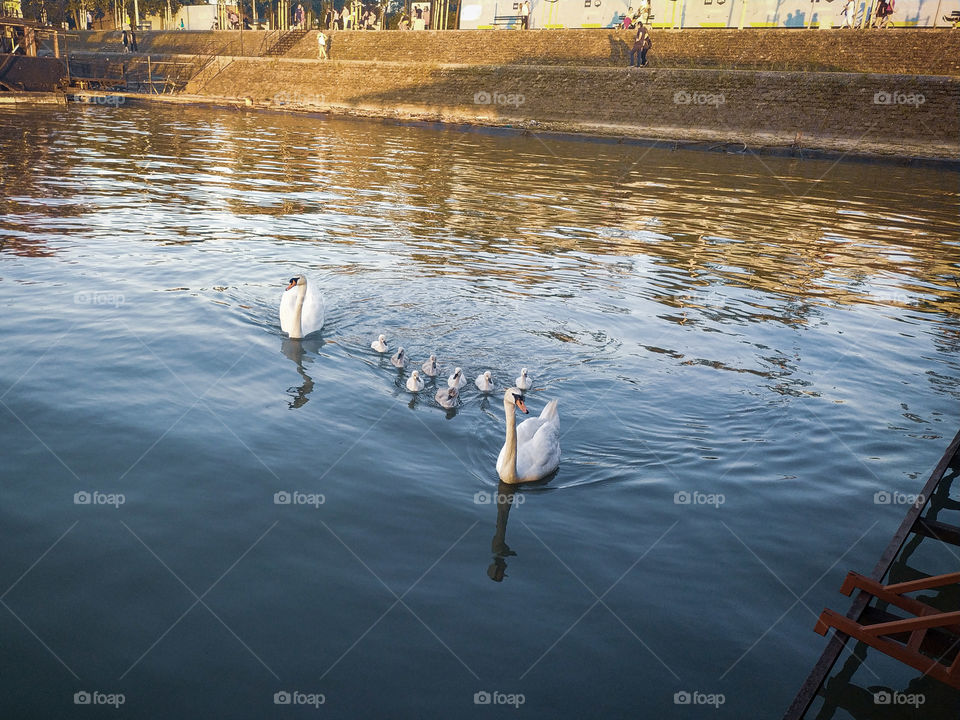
(577, 82)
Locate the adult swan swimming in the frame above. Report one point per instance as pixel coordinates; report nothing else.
(301, 309)
(532, 450)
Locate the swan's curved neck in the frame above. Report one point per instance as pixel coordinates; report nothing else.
(296, 331)
(510, 463)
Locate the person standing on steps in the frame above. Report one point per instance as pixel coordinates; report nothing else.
(641, 44)
(321, 45)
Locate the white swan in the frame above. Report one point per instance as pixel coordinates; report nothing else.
(301, 308)
(379, 344)
(399, 359)
(447, 397)
(414, 382)
(484, 381)
(524, 382)
(532, 450)
(430, 367)
(457, 380)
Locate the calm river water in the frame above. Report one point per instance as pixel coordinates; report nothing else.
(745, 352)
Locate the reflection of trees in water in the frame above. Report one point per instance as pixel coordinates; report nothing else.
(703, 227)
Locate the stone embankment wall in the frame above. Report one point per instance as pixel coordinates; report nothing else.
(866, 113)
(894, 93)
(906, 52)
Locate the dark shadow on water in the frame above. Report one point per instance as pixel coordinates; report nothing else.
(297, 351)
(503, 499)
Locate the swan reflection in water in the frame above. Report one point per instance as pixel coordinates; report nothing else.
(297, 350)
(504, 499)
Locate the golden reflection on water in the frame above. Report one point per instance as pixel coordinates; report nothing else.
(523, 210)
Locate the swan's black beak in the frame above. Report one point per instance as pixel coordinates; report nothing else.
(293, 284)
(518, 401)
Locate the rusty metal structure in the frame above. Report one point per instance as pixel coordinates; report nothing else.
(923, 634)
(32, 57)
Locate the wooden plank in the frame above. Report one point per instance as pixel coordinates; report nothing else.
(915, 660)
(838, 640)
(911, 624)
(931, 582)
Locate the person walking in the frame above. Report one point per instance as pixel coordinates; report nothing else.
(849, 13)
(321, 45)
(641, 43)
(125, 39)
(525, 12)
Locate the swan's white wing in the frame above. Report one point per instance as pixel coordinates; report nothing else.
(288, 303)
(529, 427)
(541, 455)
(311, 319)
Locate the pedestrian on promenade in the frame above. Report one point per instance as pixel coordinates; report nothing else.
(125, 39)
(404, 23)
(641, 43)
(643, 14)
(849, 13)
(627, 21)
(525, 12)
(322, 45)
(133, 41)
(884, 11)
